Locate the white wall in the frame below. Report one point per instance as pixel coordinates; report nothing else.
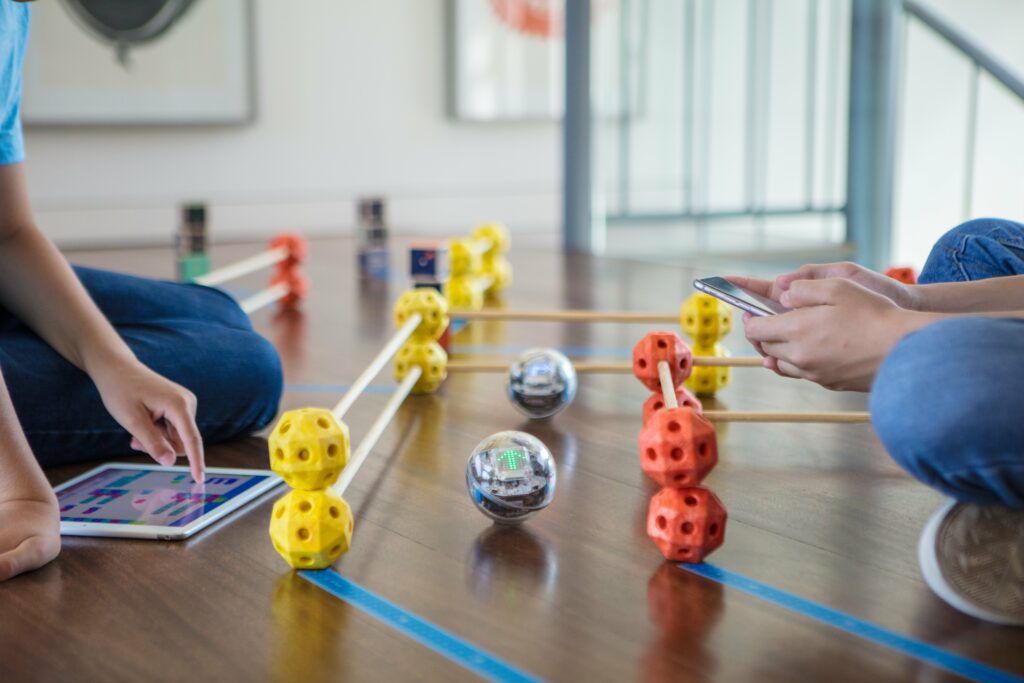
(351, 101)
(933, 134)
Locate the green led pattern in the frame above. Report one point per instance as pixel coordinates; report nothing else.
(511, 459)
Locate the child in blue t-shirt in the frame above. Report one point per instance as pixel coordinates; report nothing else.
(95, 363)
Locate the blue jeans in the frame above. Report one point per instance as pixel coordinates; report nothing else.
(946, 402)
(195, 336)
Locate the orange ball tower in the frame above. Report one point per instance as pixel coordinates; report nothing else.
(678, 448)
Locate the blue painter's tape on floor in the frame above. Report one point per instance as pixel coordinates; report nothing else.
(456, 649)
(337, 388)
(924, 652)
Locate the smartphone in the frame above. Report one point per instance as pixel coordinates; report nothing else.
(741, 298)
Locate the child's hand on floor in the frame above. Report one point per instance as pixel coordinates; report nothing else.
(159, 414)
(29, 535)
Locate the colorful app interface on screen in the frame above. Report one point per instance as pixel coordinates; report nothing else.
(158, 498)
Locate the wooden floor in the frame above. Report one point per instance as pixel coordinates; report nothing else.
(579, 593)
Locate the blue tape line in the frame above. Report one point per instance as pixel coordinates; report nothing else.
(456, 649)
(337, 388)
(930, 654)
(459, 325)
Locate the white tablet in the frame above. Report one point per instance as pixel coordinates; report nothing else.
(149, 501)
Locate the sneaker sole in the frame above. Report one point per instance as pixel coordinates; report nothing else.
(967, 555)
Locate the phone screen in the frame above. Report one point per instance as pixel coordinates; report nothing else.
(737, 296)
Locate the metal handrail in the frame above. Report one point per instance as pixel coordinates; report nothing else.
(968, 47)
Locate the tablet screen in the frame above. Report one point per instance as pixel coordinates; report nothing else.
(150, 497)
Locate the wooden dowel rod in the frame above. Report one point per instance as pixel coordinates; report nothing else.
(850, 417)
(266, 297)
(264, 259)
(566, 316)
(376, 430)
(601, 368)
(376, 365)
(668, 392)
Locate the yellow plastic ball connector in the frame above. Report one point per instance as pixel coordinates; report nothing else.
(463, 293)
(309, 448)
(706, 380)
(705, 319)
(495, 233)
(431, 306)
(464, 259)
(430, 357)
(311, 529)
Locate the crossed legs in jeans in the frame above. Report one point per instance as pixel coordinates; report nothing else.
(195, 336)
(947, 401)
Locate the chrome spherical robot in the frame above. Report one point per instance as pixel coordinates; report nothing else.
(510, 476)
(541, 382)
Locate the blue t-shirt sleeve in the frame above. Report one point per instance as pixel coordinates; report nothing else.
(13, 35)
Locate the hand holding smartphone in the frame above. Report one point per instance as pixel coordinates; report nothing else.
(741, 298)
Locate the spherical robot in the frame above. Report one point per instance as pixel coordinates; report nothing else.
(541, 382)
(510, 476)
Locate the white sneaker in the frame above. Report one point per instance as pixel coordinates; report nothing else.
(972, 556)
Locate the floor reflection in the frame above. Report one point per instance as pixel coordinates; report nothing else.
(288, 331)
(685, 608)
(308, 633)
(509, 563)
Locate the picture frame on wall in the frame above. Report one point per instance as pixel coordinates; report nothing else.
(506, 59)
(147, 62)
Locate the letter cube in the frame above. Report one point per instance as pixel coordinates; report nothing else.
(428, 263)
